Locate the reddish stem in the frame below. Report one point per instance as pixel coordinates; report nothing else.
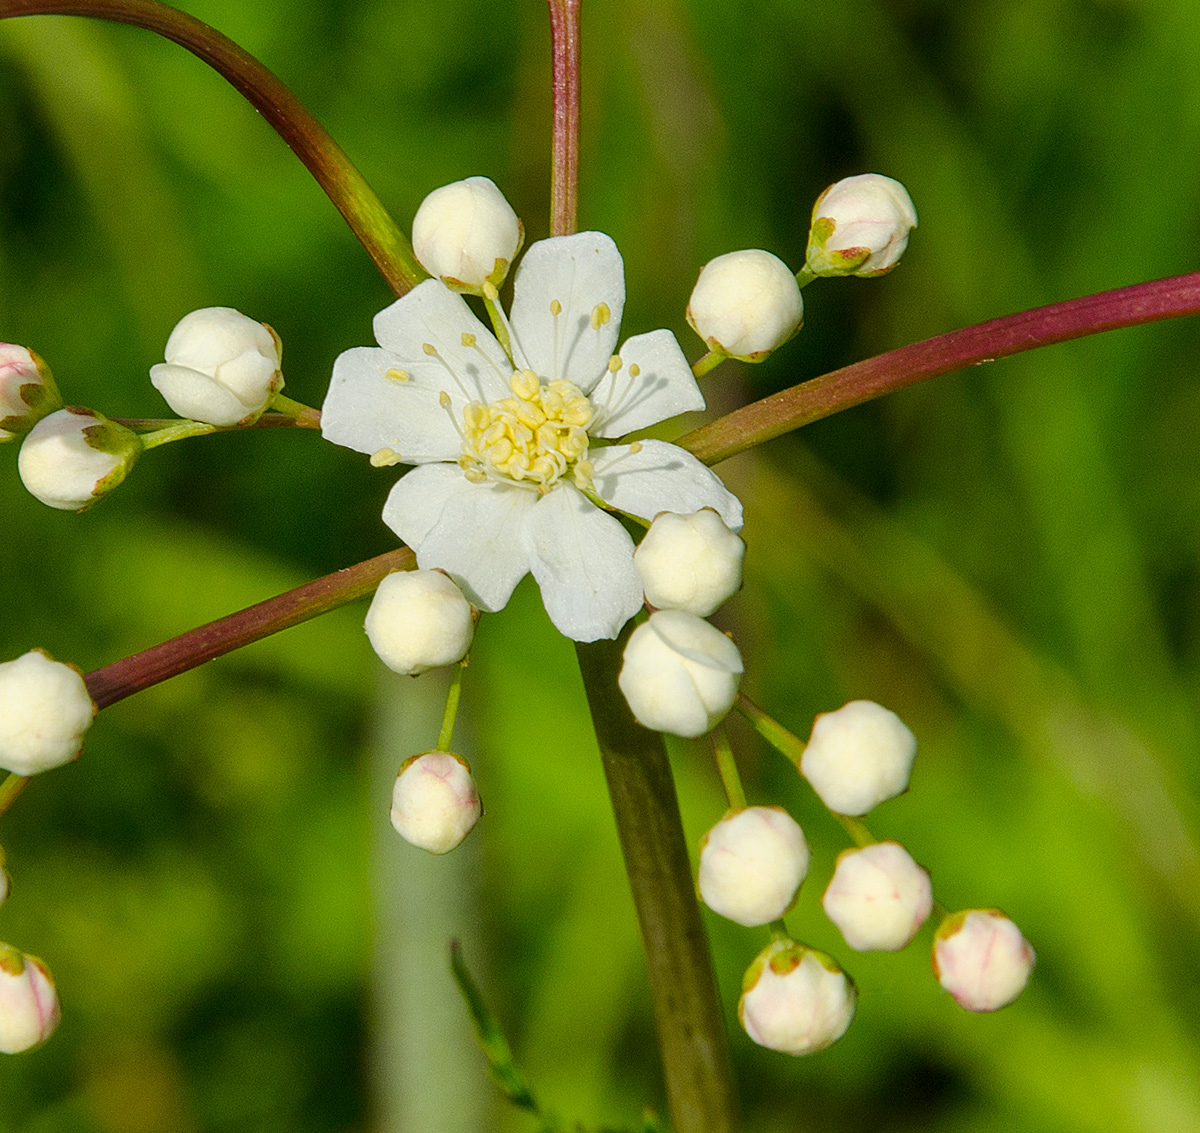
(564, 178)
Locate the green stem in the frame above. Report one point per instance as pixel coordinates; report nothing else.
(785, 742)
(309, 140)
(446, 735)
(804, 277)
(177, 431)
(727, 767)
(266, 421)
(687, 1009)
(709, 361)
(12, 786)
(304, 415)
(564, 176)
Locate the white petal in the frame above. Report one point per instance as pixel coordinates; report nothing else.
(661, 477)
(416, 503)
(581, 272)
(655, 382)
(582, 559)
(367, 411)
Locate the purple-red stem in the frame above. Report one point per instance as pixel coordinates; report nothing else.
(564, 179)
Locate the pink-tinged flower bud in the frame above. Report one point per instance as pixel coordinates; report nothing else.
(860, 226)
(858, 756)
(795, 999)
(690, 562)
(74, 457)
(878, 897)
(222, 367)
(27, 391)
(45, 709)
(746, 304)
(466, 234)
(680, 674)
(29, 1009)
(419, 620)
(752, 863)
(434, 802)
(981, 958)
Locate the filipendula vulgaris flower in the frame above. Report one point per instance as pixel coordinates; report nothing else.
(878, 897)
(27, 391)
(434, 801)
(74, 457)
(29, 1009)
(509, 479)
(981, 958)
(419, 620)
(860, 226)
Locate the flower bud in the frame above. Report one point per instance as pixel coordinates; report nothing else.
(746, 304)
(467, 235)
(878, 897)
(28, 1002)
(795, 999)
(981, 958)
(680, 674)
(45, 708)
(73, 457)
(858, 756)
(419, 620)
(690, 562)
(221, 367)
(752, 863)
(860, 226)
(434, 802)
(27, 390)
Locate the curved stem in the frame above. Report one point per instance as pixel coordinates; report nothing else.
(885, 373)
(10, 788)
(564, 178)
(309, 140)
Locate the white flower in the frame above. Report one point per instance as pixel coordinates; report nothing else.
(795, 1000)
(434, 801)
(467, 234)
(878, 897)
(680, 674)
(73, 457)
(418, 621)
(858, 756)
(45, 708)
(860, 226)
(746, 304)
(506, 478)
(981, 958)
(27, 390)
(690, 562)
(752, 863)
(221, 367)
(29, 1009)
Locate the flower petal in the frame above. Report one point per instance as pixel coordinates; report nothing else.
(655, 382)
(582, 559)
(660, 477)
(581, 272)
(417, 501)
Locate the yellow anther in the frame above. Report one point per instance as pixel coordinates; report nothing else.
(397, 375)
(600, 315)
(468, 339)
(634, 370)
(444, 399)
(635, 448)
(615, 363)
(555, 307)
(525, 384)
(490, 293)
(384, 457)
(429, 349)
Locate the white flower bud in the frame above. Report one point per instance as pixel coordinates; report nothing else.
(860, 226)
(690, 562)
(419, 620)
(878, 897)
(795, 999)
(29, 1009)
(27, 390)
(752, 863)
(467, 234)
(858, 756)
(981, 958)
(746, 304)
(221, 367)
(45, 708)
(680, 674)
(73, 457)
(434, 802)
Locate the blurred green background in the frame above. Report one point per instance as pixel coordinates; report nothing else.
(1008, 558)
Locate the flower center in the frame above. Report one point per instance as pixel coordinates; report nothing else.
(535, 437)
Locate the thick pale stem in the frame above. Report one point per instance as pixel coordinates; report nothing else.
(687, 1009)
(564, 178)
(308, 139)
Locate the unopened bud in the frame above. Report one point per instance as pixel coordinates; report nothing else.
(75, 456)
(29, 1009)
(860, 226)
(467, 235)
(221, 367)
(680, 674)
(878, 897)
(27, 391)
(690, 562)
(419, 620)
(45, 709)
(434, 802)
(981, 958)
(858, 756)
(746, 304)
(752, 863)
(795, 999)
